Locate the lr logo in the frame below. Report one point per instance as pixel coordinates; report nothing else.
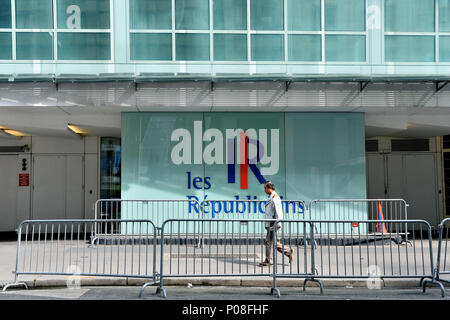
(374, 281)
(74, 281)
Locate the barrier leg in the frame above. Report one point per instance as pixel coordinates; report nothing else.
(432, 281)
(314, 280)
(145, 286)
(272, 290)
(15, 284)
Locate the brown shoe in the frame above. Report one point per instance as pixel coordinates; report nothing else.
(291, 256)
(265, 264)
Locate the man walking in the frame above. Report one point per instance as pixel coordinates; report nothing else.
(273, 210)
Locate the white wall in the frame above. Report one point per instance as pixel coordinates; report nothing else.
(64, 177)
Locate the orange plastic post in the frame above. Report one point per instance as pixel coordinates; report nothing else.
(381, 227)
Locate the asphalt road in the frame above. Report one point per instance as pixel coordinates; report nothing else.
(223, 293)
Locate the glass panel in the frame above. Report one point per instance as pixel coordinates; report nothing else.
(34, 14)
(5, 46)
(110, 168)
(267, 15)
(230, 47)
(84, 46)
(5, 13)
(304, 15)
(83, 14)
(338, 13)
(444, 15)
(150, 14)
(192, 14)
(192, 46)
(305, 47)
(34, 46)
(409, 15)
(230, 14)
(151, 46)
(409, 48)
(227, 179)
(149, 169)
(267, 47)
(444, 49)
(345, 48)
(334, 166)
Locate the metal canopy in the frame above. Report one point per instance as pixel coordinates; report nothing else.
(362, 80)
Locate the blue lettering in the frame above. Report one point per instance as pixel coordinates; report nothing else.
(214, 209)
(194, 182)
(231, 206)
(189, 179)
(207, 183)
(237, 205)
(193, 203)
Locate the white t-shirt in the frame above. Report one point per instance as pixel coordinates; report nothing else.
(273, 209)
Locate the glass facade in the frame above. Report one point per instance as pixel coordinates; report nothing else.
(196, 155)
(363, 37)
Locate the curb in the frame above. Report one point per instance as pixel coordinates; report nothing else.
(228, 282)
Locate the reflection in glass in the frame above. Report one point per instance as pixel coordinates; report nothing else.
(304, 15)
(83, 14)
(267, 47)
(230, 14)
(409, 48)
(84, 46)
(34, 46)
(350, 48)
(5, 14)
(151, 46)
(267, 15)
(334, 165)
(110, 168)
(347, 15)
(444, 49)
(305, 47)
(230, 47)
(5, 46)
(444, 15)
(409, 15)
(192, 14)
(34, 14)
(150, 14)
(192, 46)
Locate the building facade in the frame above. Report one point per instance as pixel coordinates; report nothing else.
(92, 91)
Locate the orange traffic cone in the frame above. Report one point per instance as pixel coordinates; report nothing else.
(380, 227)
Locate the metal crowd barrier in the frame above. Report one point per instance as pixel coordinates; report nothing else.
(364, 254)
(62, 247)
(363, 209)
(442, 268)
(231, 247)
(155, 210)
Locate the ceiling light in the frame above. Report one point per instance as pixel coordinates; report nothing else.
(76, 130)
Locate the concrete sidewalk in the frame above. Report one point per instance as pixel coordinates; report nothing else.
(8, 260)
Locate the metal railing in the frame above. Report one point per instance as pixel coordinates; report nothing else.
(62, 247)
(155, 210)
(363, 209)
(364, 254)
(442, 268)
(231, 247)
